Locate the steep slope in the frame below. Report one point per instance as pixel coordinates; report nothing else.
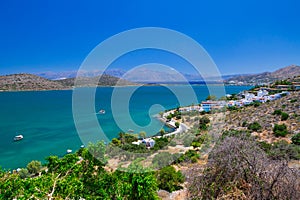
(267, 77)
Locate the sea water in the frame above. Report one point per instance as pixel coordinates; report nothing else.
(45, 118)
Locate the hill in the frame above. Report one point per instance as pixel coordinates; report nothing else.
(104, 80)
(22, 82)
(30, 82)
(267, 77)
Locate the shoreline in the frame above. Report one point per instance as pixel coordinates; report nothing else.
(116, 86)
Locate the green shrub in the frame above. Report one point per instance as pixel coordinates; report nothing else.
(280, 130)
(277, 112)
(169, 179)
(255, 126)
(23, 173)
(189, 156)
(204, 120)
(296, 139)
(244, 124)
(163, 159)
(34, 167)
(284, 116)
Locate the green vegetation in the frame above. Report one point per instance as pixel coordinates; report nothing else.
(296, 139)
(169, 179)
(283, 82)
(280, 130)
(189, 156)
(203, 121)
(211, 98)
(284, 116)
(80, 175)
(175, 114)
(163, 159)
(34, 167)
(281, 150)
(277, 112)
(255, 126)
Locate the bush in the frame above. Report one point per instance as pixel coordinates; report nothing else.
(280, 130)
(163, 159)
(204, 120)
(284, 116)
(189, 156)
(277, 112)
(169, 179)
(34, 167)
(296, 139)
(23, 173)
(255, 126)
(238, 169)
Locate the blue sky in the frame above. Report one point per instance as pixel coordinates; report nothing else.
(241, 36)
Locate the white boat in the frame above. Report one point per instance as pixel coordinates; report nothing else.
(69, 151)
(101, 112)
(18, 137)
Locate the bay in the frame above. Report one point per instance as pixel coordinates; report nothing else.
(45, 118)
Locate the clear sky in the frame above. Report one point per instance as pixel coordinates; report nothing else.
(243, 36)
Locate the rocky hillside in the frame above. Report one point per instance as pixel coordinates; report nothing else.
(267, 77)
(264, 115)
(28, 82)
(104, 80)
(21, 82)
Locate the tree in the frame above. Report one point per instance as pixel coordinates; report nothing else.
(296, 139)
(169, 179)
(204, 120)
(34, 167)
(162, 132)
(211, 97)
(177, 124)
(223, 98)
(23, 173)
(136, 182)
(142, 134)
(116, 141)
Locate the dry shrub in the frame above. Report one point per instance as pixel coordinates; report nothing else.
(238, 169)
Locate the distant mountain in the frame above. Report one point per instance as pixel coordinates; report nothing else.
(24, 82)
(104, 80)
(72, 74)
(267, 77)
(139, 75)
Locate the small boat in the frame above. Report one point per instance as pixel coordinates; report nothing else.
(130, 130)
(18, 137)
(101, 112)
(69, 151)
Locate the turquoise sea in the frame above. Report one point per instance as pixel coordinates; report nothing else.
(46, 121)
